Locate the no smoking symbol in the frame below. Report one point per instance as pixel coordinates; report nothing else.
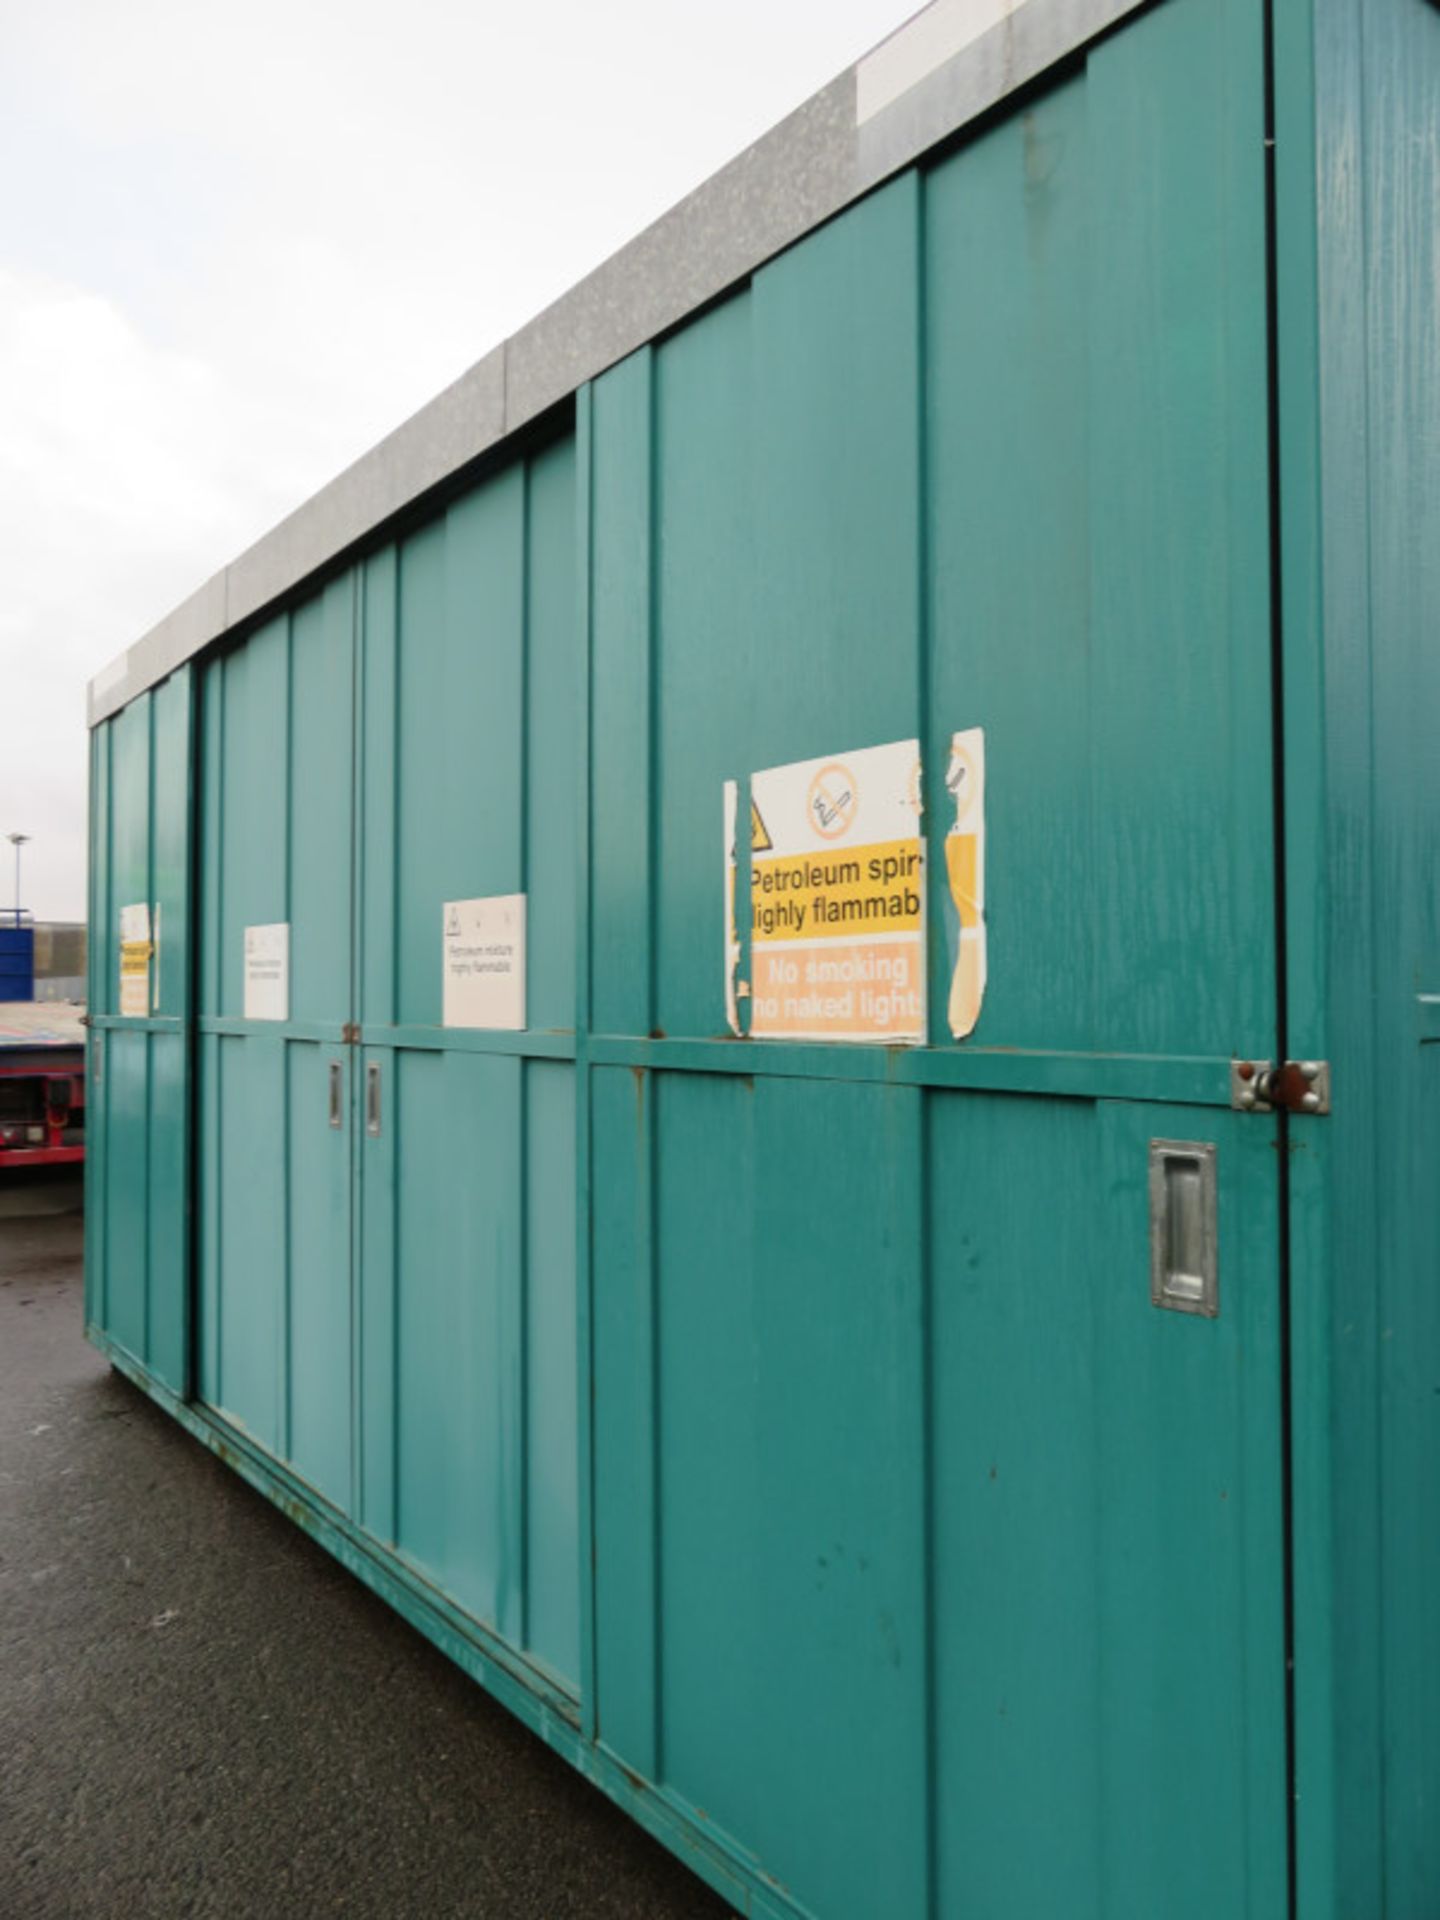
(831, 801)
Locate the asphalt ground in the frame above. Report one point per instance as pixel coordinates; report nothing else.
(202, 1714)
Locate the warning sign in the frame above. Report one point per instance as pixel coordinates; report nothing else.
(837, 901)
(135, 952)
(732, 934)
(267, 972)
(965, 870)
(484, 962)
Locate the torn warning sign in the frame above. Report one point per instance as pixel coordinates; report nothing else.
(837, 898)
(965, 870)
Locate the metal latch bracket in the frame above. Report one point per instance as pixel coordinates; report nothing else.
(1296, 1086)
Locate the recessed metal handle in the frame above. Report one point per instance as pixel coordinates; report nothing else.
(372, 1099)
(1184, 1227)
(337, 1092)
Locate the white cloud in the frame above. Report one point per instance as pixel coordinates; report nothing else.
(252, 239)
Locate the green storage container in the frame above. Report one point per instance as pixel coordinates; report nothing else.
(801, 1434)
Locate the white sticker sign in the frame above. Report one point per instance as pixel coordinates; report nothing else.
(267, 972)
(837, 898)
(135, 950)
(484, 962)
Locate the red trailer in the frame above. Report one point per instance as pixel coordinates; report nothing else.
(42, 1084)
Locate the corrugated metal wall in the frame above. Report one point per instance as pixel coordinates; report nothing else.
(987, 450)
(137, 1177)
(403, 739)
(888, 1436)
(1358, 99)
(788, 1431)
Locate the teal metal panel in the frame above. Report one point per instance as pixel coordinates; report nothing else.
(125, 1119)
(778, 530)
(552, 1404)
(836, 478)
(168, 1306)
(375, 1202)
(1019, 1559)
(137, 1249)
(1080, 368)
(1401, 63)
(322, 727)
(1180, 476)
(206, 1301)
(171, 815)
(101, 961)
(584, 1266)
(622, 1232)
(206, 939)
(1358, 92)
(553, 1555)
(375, 870)
(1009, 245)
(129, 822)
(715, 654)
(1325, 549)
(1105, 1489)
(317, 1227)
(373, 1160)
(253, 804)
(458, 789)
(275, 1174)
(621, 691)
(466, 1274)
(458, 1410)
(210, 792)
(1052, 349)
(551, 677)
(245, 1302)
(789, 1453)
(167, 1344)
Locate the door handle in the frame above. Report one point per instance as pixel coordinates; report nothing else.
(1184, 1227)
(337, 1093)
(372, 1099)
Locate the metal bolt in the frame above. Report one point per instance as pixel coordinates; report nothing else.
(1310, 1102)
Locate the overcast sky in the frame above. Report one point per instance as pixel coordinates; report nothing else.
(240, 243)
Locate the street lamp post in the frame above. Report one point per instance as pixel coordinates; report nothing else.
(17, 840)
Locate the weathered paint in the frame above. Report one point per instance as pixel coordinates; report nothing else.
(1358, 185)
(785, 1431)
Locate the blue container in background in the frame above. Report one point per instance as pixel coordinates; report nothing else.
(17, 955)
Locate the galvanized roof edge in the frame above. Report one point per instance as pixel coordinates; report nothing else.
(814, 164)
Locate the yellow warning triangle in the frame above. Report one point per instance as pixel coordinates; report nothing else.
(760, 841)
